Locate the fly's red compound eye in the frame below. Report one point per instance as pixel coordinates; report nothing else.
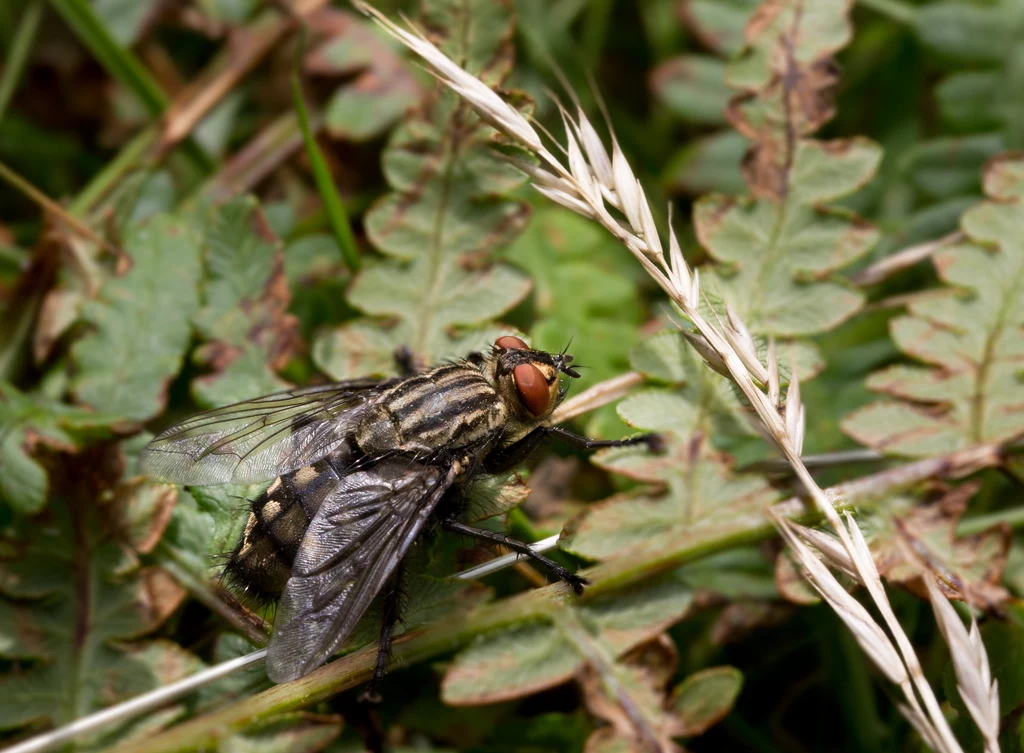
(532, 387)
(511, 342)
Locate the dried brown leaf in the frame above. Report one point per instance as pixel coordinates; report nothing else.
(923, 540)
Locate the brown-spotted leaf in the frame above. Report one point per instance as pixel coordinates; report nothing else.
(968, 388)
(630, 696)
(922, 539)
(244, 318)
(448, 210)
(533, 657)
(70, 597)
(380, 86)
(138, 325)
(778, 250)
(785, 76)
(28, 425)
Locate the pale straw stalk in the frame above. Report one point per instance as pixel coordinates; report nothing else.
(592, 183)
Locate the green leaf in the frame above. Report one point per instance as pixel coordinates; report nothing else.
(969, 32)
(702, 500)
(778, 256)
(379, 85)
(705, 698)
(123, 18)
(949, 166)
(970, 342)
(514, 663)
(708, 164)
(139, 323)
(32, 421)
(989, 36)
(446, 213)
(530, 658)
(719, 24)
(778, 250)
(61, 573)
(337, 217)
(785, 77)
(296, 732)
(244, 317)
(693, 88)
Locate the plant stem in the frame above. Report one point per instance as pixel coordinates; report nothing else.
(17, 57)
(49, 205)
(112, 172)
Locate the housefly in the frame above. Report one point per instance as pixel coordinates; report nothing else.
(358, 468)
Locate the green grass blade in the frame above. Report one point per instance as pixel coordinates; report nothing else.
(333, 206)
(119, 62)
(14, 66)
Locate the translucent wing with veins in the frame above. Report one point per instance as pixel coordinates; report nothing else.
(259, 440)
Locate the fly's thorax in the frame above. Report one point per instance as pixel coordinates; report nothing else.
(452, 406)
(262, 561)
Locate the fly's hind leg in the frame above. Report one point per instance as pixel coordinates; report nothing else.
(391, 613)
(575, 581)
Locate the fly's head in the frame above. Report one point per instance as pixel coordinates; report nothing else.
(529, 380)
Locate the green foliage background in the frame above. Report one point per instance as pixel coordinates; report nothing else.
(165, 247)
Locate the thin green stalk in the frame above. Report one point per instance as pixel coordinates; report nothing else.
(595, 30)
(118, 62)
(333, 206)
(20, 184)
(105, 180)
(17, 56)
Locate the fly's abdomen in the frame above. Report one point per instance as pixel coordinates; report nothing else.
(451, 406)
(262, 561)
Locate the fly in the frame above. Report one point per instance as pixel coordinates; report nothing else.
(359, 468)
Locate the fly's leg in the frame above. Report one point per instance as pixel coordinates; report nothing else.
(391, 609)
(405, 360)
(575, 581)
(515, 454)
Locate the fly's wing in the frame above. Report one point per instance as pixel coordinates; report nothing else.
(260, 439)
(353, 544)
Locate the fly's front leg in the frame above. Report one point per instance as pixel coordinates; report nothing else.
(575, 581)
(391, 609)
(405, 361)
(513, 455)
